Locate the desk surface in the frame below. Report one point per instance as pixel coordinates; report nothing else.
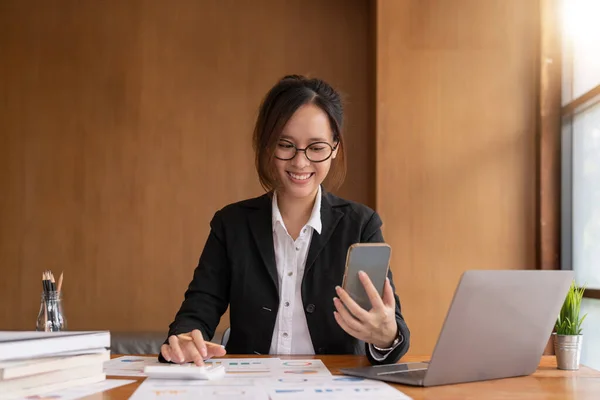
(546, 383)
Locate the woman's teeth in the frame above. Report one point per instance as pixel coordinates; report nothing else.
(300, 177)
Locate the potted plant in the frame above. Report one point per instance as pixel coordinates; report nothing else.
(568, 337)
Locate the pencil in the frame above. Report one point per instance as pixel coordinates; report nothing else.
(45, 318)
(60, 279)
(188, 338)
(52, 284)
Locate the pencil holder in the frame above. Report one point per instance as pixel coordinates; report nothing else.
(51, 317)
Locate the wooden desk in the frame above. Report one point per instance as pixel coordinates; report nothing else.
(547, 383)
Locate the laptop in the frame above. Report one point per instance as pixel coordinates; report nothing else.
(497, 326)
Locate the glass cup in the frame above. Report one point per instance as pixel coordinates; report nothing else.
(51, 317)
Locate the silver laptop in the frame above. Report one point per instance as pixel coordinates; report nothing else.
(498, 325)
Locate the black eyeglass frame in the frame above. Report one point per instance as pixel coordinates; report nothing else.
(297, 149)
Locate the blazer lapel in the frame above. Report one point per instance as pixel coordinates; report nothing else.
(330, 217)
(262, 231)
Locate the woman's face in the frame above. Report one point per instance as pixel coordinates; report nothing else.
(308, 129)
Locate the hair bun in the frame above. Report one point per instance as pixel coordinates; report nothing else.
(293, 78)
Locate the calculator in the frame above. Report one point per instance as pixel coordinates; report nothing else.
(185, 371)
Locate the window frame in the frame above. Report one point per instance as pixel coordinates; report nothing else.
(568, 112)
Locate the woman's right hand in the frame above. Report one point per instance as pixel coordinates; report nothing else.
(190, 347)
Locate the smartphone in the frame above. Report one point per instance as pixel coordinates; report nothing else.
(374, 260)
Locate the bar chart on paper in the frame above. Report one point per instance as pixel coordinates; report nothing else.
(331, 388)
(270, 367)
(129, 366)
(269, 379)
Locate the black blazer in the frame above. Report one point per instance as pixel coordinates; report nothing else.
(237, 268)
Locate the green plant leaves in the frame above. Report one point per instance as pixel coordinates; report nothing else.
(568, 321)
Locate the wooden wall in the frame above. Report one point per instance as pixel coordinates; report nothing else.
(455, 156)
(124, 125)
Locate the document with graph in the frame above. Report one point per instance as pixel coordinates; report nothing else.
(330, 388)
(293, 387)
(270, 367)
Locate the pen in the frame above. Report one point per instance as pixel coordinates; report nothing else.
(188, 338)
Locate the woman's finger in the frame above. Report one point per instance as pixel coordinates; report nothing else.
(345, 327)
(388, 294)
(199, 342)
(350, 321)
(192, 354)
(212, 349)
(176, 353)
(166, 352)
(374, 297)
(216, 350)
(357, 311)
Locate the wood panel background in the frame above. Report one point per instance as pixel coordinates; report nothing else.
(124, 125)
(455, 156)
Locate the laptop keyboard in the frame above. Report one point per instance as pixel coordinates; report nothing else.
(415, 377)
(418, 374)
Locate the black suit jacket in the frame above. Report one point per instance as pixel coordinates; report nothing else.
(237, 268)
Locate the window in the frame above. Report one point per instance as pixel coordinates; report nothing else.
(581, 161)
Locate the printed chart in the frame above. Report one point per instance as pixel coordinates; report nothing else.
(128, 366)
(303, 368)
(206, 390)
(283, 388)
(270, 379)
(332, 388)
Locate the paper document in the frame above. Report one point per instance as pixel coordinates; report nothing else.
(289, 387)
(224, 389)
(235, 367)
(129, 365)
(302, 368)
(82, 391)
(333, 388)
(270, 367)
(247, 367)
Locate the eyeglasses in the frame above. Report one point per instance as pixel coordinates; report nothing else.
(315, 152)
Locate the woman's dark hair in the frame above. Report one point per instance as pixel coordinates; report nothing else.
(278, 106)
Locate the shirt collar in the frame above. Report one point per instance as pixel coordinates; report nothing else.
(315, 217)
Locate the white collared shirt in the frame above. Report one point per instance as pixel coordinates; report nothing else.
(291, 335)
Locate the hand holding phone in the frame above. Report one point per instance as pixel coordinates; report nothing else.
(366, 305)
(374, 260)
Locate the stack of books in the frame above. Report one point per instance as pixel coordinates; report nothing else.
(34, 363)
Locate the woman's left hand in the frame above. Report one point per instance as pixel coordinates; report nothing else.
(377, 326)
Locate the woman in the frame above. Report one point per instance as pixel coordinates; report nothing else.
(278, 259)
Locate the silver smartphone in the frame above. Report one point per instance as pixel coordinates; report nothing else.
(374, 260)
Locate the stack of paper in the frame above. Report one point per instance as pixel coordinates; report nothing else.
(292, 388)
(33, 363)
(256, 379)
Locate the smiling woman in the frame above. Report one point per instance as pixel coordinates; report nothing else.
(310, 121)
(277, 260)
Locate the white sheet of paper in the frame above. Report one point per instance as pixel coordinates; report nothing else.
(301, 368)
(293, 387)
(235, 367)
(270, 367)
(241, 388)
(337, 387)
(248, 367)
(79, 392)
(128, 365)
